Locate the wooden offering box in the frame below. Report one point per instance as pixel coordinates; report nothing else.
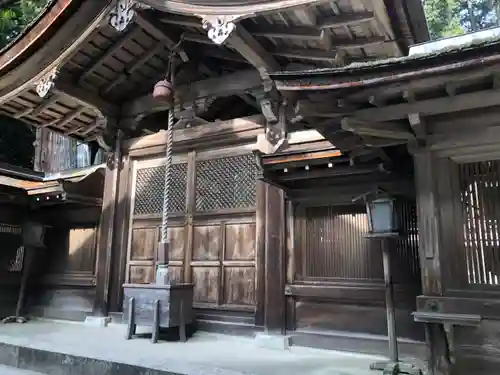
(156, 306)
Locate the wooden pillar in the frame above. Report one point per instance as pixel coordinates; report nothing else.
(430, 252)
(275, 271)
(121, 229)
(106, 230)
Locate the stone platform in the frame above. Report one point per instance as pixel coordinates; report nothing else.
(58, 348)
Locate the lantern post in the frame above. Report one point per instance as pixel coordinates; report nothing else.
(383, 227)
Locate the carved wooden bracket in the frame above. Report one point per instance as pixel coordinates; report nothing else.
(220, 27)
(46, 83)
(122, 14)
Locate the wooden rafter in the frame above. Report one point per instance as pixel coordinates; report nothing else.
(346, 19)
(463, 102)
(135, 65)
(159, 31)
(248, 47)
(383, 130)
(84, 97)
(113, 48)
(66, 119)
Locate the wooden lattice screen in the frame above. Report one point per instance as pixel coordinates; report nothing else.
(336, 246)
(480, 201)
(150, 186)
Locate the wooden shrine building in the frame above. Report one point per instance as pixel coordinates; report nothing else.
(285, 112)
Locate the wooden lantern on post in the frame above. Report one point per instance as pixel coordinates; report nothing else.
(383, 225)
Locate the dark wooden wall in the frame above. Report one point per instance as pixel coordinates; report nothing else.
(63, 282)
(335, 277)
(11, 253)
(458, 179)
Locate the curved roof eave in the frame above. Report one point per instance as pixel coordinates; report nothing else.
(27, 60)
(27, 40)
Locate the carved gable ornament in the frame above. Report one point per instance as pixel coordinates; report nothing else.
(46, 83)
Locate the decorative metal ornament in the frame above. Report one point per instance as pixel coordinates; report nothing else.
(46, 83)
(219, 27)
(122, 14)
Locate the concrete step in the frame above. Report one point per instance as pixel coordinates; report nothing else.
(7, 370)
(27, 361)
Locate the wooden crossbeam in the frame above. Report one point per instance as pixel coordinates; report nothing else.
(248, 47)
(113, 48)
(186, 21)
(84, 97)
(159, 31)
(463, 102)
(225, 85)
(46, 103)
(292, 53)
(388, 130)
(348, 43)
(293, 33)
(135, 65)
(70, 116)
(346, 19)
(307, 54)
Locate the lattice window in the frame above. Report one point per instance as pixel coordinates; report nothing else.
(225, 183)
(480, 200)
(150, 187)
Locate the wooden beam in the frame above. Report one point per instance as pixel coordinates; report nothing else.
(248, 47)
(84, 97)
(186, 21)
(307, 54)
(336, 171)
(306, 108)
(46, 103)
(113, 48)
(481, 99)
(300, 33)
(66, 119)
(423, 84)
(154, 27)
(131, 68)
(226, 85)
(348, 43)
(346, 19)
(383, 130)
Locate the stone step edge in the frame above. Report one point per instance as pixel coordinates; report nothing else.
(55, 363)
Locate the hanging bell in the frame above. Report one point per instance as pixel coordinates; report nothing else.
(163, 91)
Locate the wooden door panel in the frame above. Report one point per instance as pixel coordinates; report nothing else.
(240, 242)
(206, 242)
(141, 274)
(144, 243)
(239, 285)
(176, 239)
(206, 284)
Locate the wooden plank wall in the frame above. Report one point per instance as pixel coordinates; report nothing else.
(335, 278)
(63, 282)
(457, 183)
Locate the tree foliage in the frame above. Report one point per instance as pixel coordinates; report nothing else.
(16, 15)
(454, 17)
